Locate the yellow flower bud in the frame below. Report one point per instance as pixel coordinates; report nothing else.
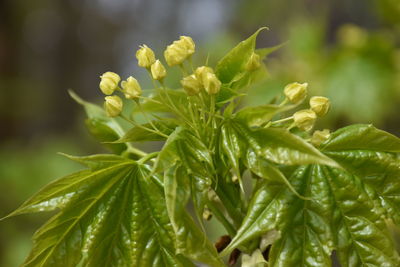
(201, 73)
(158, 71)
(320, 105)
(131, 88)
(113, 105)
(175, 53)
(188, 44)
(109, 82)
(304, 119)
(296, 92)
(207, 215)
(319, 137)
(191, 85)
(253, 63)
(211, 84)
(145, 56)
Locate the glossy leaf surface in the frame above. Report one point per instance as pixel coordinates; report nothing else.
(112, 215)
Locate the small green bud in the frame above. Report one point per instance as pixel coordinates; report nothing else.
(296, 92)
(175, 53)
(188, 43)
(319, 137)
(109, 82)
(145, 56)
(253, 63)
(131, 88)
(158, 71)
(304, 119)
(191, 85)
(320, 105)
(113, 105)
(211, 84)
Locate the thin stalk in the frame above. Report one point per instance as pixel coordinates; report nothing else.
(284, 102)
(147, 157)
(136, 151)
(143, 127)
(146, 117)
(282, 120)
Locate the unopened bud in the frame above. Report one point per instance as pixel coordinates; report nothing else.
(145, 56)
(191, 85)
(175, 53)
(296, 92)
(235, 179)
(109, 82)
(201, 73)
(158, 71)
(304, 119)
(211, 84)
(207, 215)
(113, 105)
(320, 105)
(131, 88)
(319, 137)
(253, 63)
(188, 43)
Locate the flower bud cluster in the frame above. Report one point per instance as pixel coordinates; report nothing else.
(145, 57)
(131, 88)
(305, 119)
(177, 52)
(296, 92)
(113, 105)
(203, 78)
(109, 83)
(319, 137)
(319, 106)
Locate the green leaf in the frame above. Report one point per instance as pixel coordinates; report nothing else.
(306, 235)
(232, 64)
(113, 216)
(340, 215)
(138, 134)
(379, 170)
(102, 127)
(274, 144)
(264, 169)
(99, 129)
(362, 137)
(159, 103)
(360, 231)
(257, 116)
(264, 52)
(95, 162)
(183, 146)
(190, 240)
(262, 215)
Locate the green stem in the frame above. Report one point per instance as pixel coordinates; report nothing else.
(282, 120)
(146, 117)
(147, 157)
(137, 151)
(143, 127)
(284, 102)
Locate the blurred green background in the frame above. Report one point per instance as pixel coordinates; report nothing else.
(348, 50)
